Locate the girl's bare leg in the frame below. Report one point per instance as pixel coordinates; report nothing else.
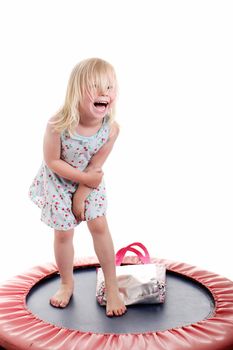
(64, 255)
(104, 249)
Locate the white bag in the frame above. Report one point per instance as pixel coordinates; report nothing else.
(141, 283)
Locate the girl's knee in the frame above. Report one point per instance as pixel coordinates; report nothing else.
(63, 236)
(97, 226)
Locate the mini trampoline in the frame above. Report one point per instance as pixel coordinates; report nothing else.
(197, 313)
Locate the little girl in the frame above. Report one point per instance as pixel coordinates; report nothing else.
(69, 185)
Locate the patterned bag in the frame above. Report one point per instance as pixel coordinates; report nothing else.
(138, 284)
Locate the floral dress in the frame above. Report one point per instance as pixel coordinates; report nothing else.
(53, 193)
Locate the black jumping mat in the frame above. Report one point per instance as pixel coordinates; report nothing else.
(187, 302)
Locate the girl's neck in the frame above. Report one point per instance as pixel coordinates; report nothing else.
(90, 123)
(88, 127)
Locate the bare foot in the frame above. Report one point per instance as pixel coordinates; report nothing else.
(115, 305)
(62, 297)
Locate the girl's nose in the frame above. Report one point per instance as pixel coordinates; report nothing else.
(103, 90)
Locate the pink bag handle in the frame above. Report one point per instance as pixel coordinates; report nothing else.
(145, 259)
(121, 253)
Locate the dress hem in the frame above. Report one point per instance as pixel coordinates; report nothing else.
(70, 227)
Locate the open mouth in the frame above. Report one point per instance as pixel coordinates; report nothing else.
(101, 105)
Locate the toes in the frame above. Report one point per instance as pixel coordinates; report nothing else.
(54, 302)
(57, 302)
(63, 303)
(62, 297)
(109, 313)
(119, 312)
(116, 312)
(123, 311)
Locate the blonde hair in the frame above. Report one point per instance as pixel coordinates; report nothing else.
(87, 75)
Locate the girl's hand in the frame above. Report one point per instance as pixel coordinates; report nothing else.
(78, 208)
(93, 177)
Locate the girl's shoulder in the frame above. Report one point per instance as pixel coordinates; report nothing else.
(52, 121)
(114, 129)
(50, 126)
(55, 119)
(55, 125)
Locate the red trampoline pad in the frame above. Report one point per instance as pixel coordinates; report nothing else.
(20, 329)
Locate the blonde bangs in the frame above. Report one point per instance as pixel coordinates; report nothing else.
(88, 76)
(98, 76)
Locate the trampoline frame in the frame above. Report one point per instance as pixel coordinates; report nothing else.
(21, 329)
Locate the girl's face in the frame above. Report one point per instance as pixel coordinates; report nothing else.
(97, 102)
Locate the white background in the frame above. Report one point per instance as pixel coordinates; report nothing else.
(169, 176)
